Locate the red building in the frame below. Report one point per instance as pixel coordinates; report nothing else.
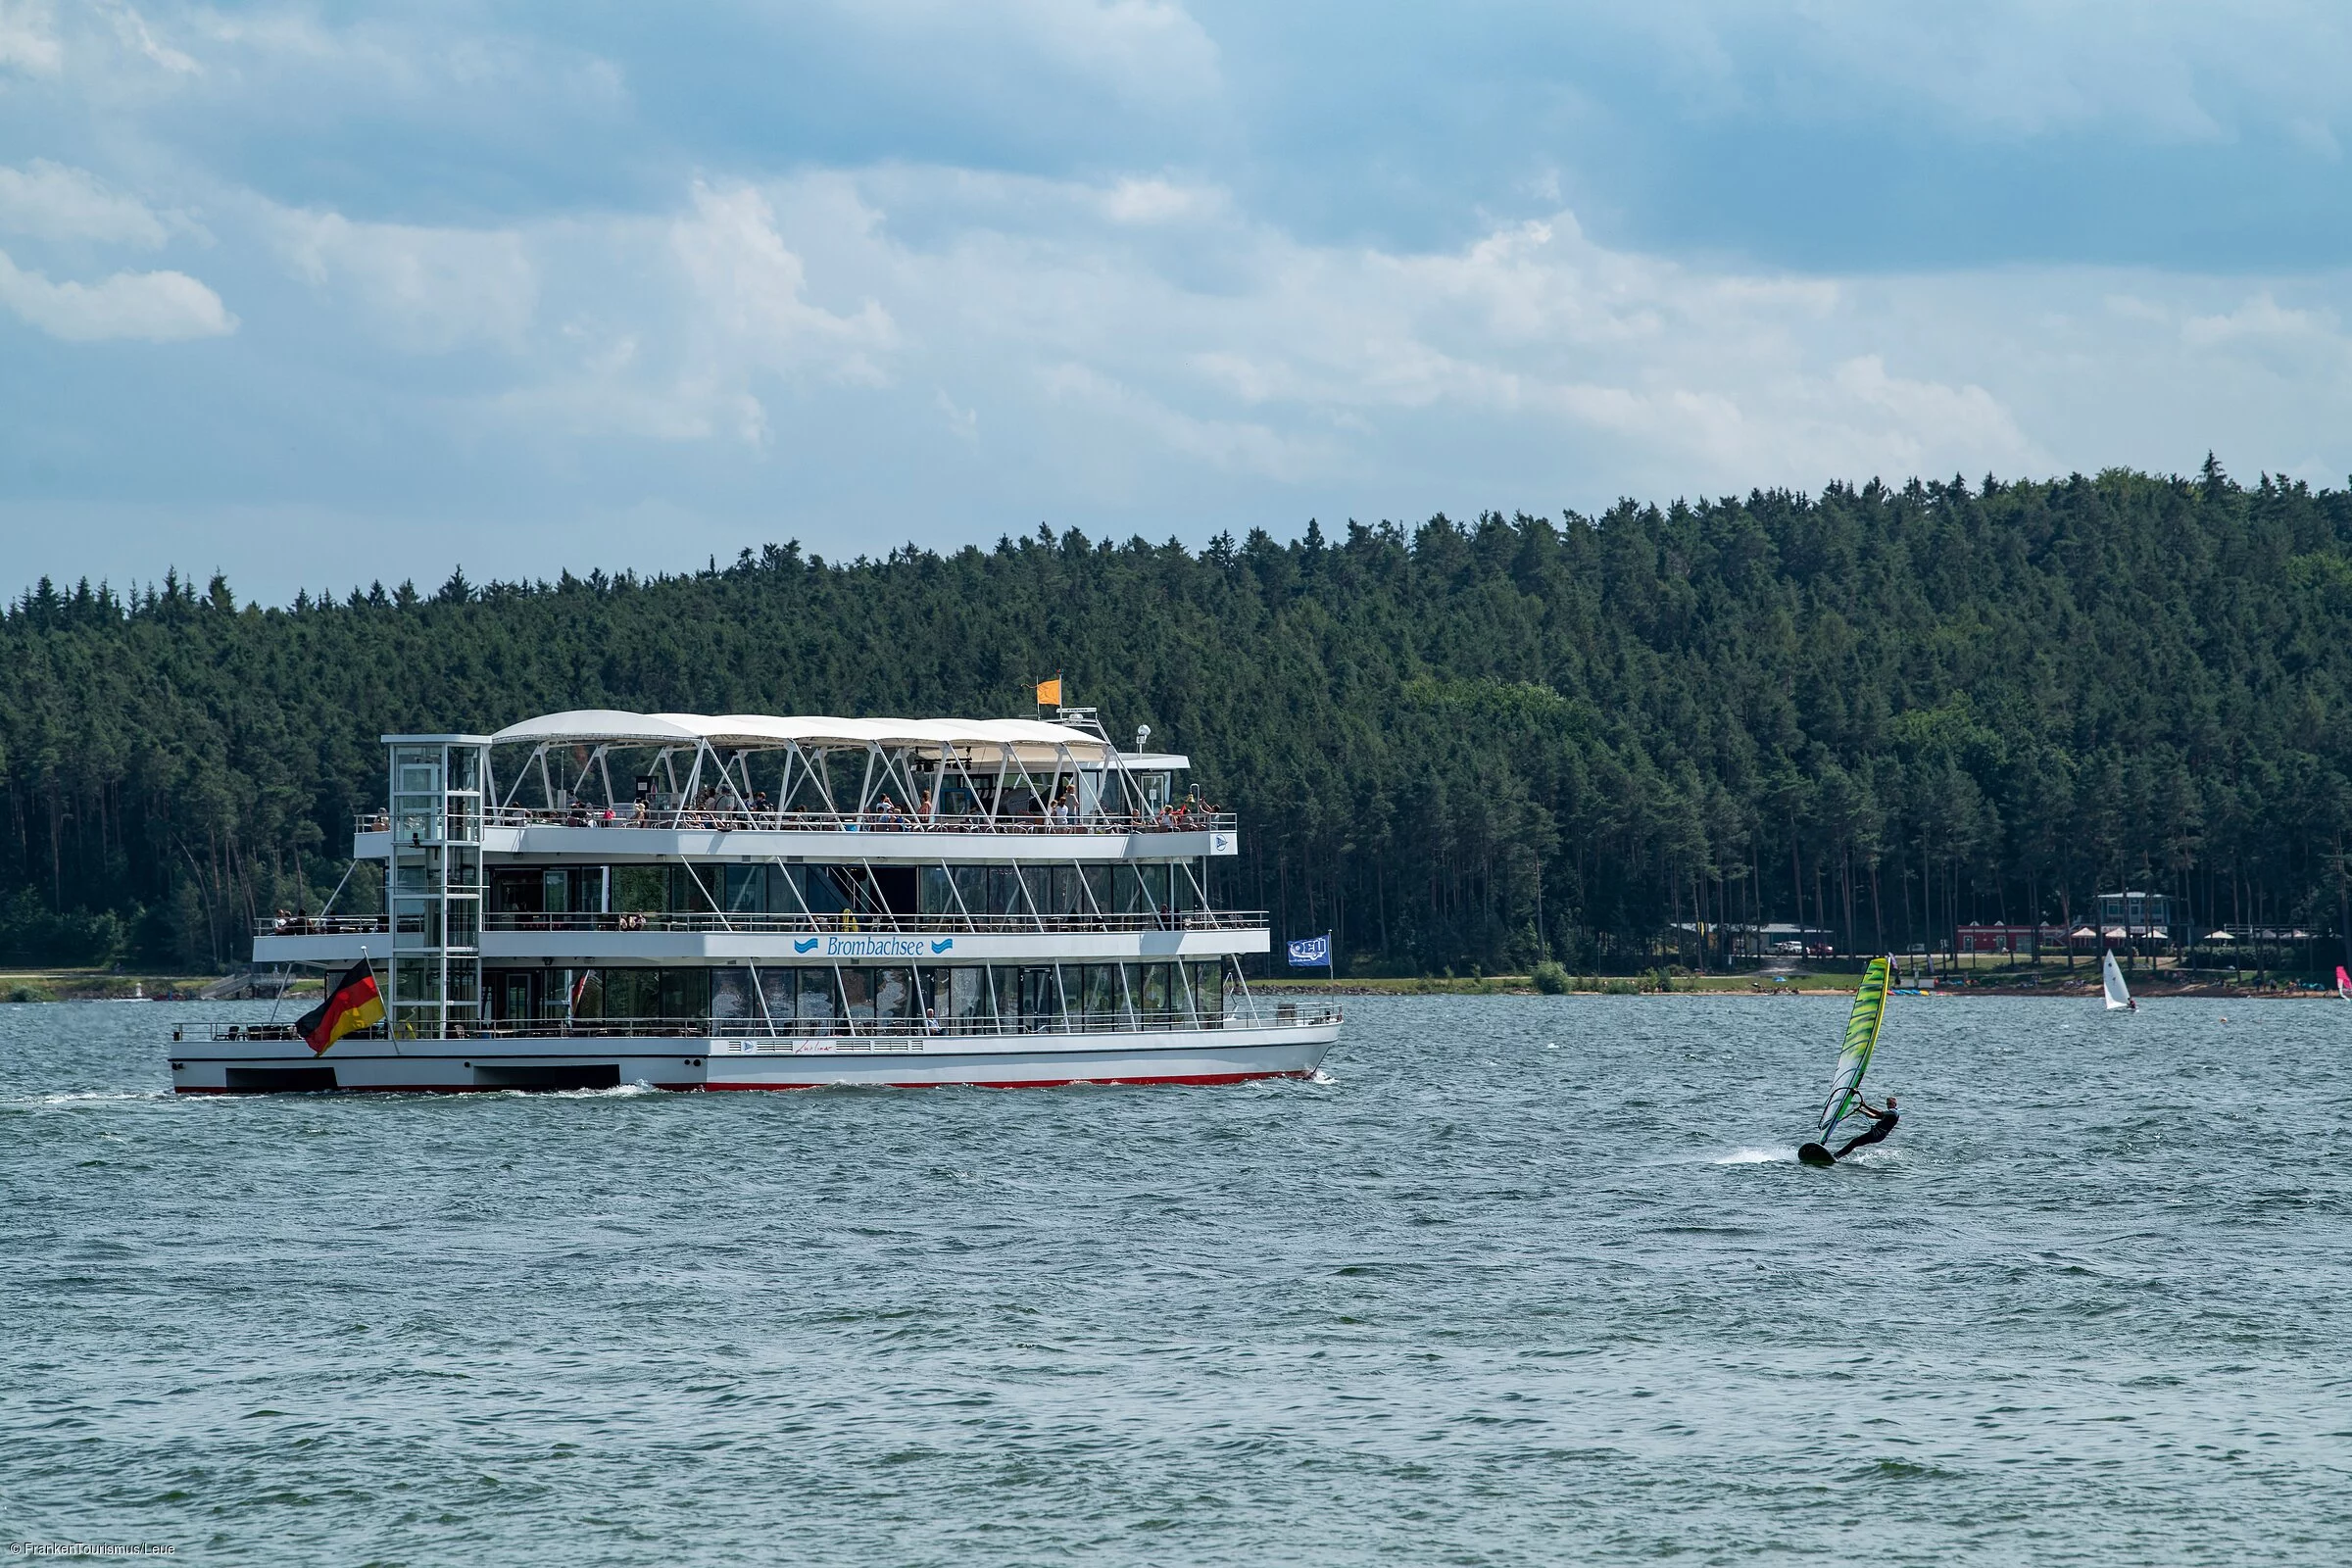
(2010, 938)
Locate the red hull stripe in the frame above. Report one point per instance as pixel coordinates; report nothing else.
(1203, 1078)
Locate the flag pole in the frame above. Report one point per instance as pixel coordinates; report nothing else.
(391, 1023)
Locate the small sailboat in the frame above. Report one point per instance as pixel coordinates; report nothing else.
(2343, 983)
(2118, 995)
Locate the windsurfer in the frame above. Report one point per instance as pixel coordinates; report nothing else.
(1882, 1122)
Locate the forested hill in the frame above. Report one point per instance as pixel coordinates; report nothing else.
(1457, 744)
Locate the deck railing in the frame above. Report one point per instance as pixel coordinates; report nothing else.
(911, 1031)
(805, 924)
(729, 821)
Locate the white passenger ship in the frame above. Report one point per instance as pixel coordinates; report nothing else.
(595, 899)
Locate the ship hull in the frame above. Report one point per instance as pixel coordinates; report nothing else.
(1232, 1054)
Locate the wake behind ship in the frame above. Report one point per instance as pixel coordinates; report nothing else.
(750, 902)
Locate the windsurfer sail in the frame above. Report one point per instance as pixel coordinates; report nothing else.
(1861, 1039)
(2118, 995)
(2343, 983)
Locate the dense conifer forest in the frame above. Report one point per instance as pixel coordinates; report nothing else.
(1881, 710)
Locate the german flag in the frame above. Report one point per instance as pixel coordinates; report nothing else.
(353, 1003)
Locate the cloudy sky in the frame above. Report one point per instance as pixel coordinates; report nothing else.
(315, 296)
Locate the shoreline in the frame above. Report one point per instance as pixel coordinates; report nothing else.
(1519, 986)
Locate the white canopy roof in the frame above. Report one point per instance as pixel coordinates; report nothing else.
(600, 726)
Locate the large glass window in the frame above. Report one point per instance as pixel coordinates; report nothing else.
(1098, 890)
(732, 999)
(1152, 995)
(514, 892)
(1068, 900)
(746, 887)
(967, 993)
(972, 886)
(693, 889)
(644, 890)
(893, 995)
(632, 993)
(686, 993)
(1041, 999)
(1209, 992)
(820, 890)
(1005, 891)
(820, 999)
(937, 895)
(857, 992)
(1103, 1004)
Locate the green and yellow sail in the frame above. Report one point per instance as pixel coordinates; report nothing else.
(1861, 1039)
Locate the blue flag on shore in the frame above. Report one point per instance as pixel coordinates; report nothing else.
(1311, 952)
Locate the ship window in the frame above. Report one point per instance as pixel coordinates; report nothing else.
(1041, 999)
(644, 890)
(745, 889)
(779, 994)
(514, 892)
(967, 993)
(937, 895)
(857, 990)
(691, 888)
(1097, 889)
(1101, 1000)
(1005, 891)
(893, 994)
(1038, 880)
(685, 993)
(632, 993)
(731, 997)
(1208, 991)
(818, 995)
(825, 890)
(555, 890)
(1152, 993)
(972, 886)
(1066, 899)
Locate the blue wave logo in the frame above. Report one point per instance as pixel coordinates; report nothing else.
(808, 946)
(943, 944)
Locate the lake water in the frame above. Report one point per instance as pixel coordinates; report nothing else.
(1527, 1280)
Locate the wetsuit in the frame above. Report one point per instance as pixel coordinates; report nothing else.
(1880, 1124)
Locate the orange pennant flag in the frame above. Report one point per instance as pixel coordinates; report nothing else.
(1049, 692)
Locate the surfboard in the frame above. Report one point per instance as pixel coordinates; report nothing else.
(1815, 1155)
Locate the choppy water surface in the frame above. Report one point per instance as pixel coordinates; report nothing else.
(1530, 1280)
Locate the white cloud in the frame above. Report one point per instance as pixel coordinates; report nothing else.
(49, 201)
(29, 40)
(133, 34)
(158, 306)
(748, 290)
(1147, 50)
(2161, 71)
(423, 290)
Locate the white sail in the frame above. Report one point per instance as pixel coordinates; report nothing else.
(2118, 995)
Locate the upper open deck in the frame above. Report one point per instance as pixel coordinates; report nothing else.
(673, 783)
